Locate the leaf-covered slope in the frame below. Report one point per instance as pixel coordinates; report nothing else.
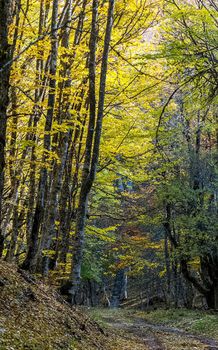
(33, 317)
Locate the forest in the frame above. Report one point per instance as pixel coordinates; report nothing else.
(109, 150)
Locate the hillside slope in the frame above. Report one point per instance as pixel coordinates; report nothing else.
(35, 318)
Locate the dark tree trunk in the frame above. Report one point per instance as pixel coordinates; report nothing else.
(85, 187)
(188, 294)
(92, 142)
(168, 269)
(212, 296)
(119, 289)
(51, 231)
(30, 260)
(5, 57)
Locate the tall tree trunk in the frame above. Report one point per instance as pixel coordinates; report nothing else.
(92, 141)
(5, 57)
(51, 236)
(30, 260)
(36, 115)
(52, 212)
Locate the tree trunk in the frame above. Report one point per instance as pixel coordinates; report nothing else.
(30, 260)
(92, 141)
(51, 231)
(119, 289)
(52, 213)
(85, 186)
(14, 236)
(168, 269)
(5, 56)
(212, 296)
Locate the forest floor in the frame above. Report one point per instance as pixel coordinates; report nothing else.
(34, 317)
(161, 330)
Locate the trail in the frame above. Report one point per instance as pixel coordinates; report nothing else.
(159, 337)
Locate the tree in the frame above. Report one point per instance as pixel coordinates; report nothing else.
(5, 67)
(188, 176)
(93, 139)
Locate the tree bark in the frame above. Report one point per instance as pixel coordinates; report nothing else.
(92, 141)
(5, 57)
(30, 260)
(119, 291)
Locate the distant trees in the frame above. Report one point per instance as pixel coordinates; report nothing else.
(189, 184)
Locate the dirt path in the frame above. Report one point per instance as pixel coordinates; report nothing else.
(146, 335)
(160, 337)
